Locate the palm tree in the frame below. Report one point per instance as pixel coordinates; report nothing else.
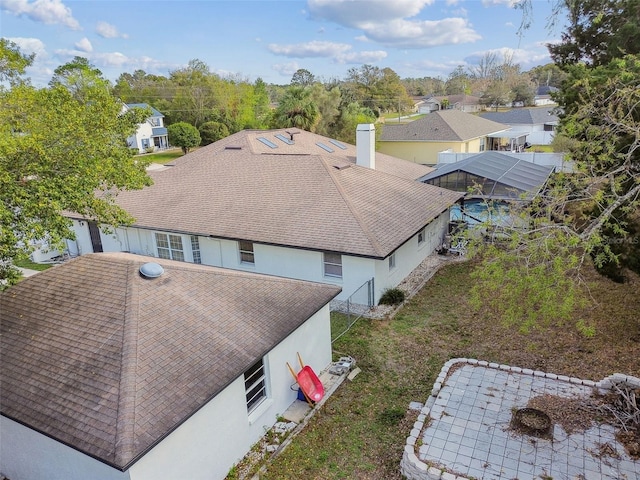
(296, 109)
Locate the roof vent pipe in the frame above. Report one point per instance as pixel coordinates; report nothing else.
(366, 145)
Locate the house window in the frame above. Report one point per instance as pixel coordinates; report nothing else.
(246, 252)
(170, 246)
(255, 385)
(421, 236)
(195, 249)
(392, 261)
(332, 265)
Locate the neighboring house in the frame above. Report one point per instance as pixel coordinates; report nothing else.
(151, 134)
(464, 103)
(288, 203)
(538, 124)
(543, 96)
(420, 141)
(122, 367)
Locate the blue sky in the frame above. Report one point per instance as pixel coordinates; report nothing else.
(272, 39)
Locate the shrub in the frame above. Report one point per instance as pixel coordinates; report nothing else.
(392, 296)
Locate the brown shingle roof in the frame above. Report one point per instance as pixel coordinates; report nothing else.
(442, 126)
(297, 195)
(109, 362)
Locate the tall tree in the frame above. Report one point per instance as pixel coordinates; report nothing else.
(303, 78)
(80, 78)
(296, 109)
(589, 214)
(13, 62)
(598, 32)
(61, 149)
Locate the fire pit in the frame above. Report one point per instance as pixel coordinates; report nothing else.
(532, 421)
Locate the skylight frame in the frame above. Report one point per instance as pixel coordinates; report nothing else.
(267, 142)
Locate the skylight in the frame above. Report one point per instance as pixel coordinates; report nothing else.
(284, 139)
(325, 147)
(337, 144)
(267, 142)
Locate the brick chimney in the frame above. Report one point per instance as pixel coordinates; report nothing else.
(366, 145)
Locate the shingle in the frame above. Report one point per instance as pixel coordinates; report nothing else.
(291, 196)
(119, 361)
(442, 126)
(523, 116)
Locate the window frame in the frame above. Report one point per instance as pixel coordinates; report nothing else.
(255, 387)
(329, 265)
(167, 244)
(246, 253)
(195, 249)
(392, 261)
(422, 236)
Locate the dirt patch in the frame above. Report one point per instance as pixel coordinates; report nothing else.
(580, 414)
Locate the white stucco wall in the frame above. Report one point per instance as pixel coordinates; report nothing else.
(220, 434)
(144, 132)
(206, 446)
(28, 455)
(279, 261)
(410, 255)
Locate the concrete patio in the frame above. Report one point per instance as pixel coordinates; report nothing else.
(463, 431)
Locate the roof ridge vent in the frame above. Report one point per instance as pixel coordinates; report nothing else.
(151, 270)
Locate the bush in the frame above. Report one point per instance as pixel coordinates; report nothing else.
(149, 149)
(392, 296)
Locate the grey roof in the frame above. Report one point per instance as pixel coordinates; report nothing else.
(298, 195)
(109, 363)
(523, 116)
(158, 131)
(513, 172)
(154, 112)
(442, 126)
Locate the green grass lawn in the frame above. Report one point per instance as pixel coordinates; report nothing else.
(32, 266)
(163, 157)
(361, 430)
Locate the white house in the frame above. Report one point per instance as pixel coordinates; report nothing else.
(151, 134)
(288, 203)
(117, 366)
(537, 123)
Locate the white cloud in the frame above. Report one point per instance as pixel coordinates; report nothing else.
(106, 30)
(286, 69)
(84, 45)
(427, 33)
(391, 23)
(50, 12)
(309, 49)
(509, 3)
(361, 57)
(434, 68)
(352, 13)
(338, 52)
(30, 45)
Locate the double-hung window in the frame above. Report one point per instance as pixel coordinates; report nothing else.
(332, 265)
(255, 385)
(246, 252)
(195, 249)
(392, 261)
(169, 246)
